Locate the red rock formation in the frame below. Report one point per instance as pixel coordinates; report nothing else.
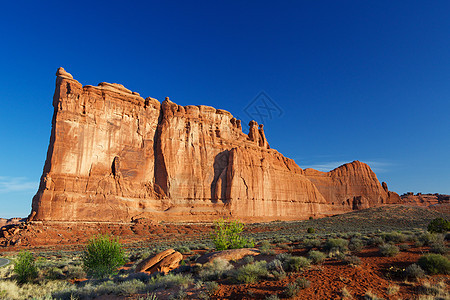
(420, 199)
(114, 156)
(351, 186)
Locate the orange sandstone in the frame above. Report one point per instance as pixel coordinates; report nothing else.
(115, 156)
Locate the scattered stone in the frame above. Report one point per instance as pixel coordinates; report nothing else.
(162, 262)
(231, 254)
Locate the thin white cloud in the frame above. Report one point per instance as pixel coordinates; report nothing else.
(17, 184)
(376, 166)
(326, 166)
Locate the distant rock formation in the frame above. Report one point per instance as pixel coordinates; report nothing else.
(420, 199)
(115, 156)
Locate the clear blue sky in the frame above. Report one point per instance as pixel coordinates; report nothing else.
(353, 80)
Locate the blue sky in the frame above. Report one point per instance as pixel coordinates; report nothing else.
(347, 80)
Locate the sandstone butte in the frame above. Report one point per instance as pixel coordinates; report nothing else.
(114, 156)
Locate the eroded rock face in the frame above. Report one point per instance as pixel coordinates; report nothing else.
(115, 156)
(351, 186)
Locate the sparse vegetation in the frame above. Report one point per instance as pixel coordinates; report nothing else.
(25, 267)
(251, 273)
(215, 270)
(339, 244)
(102, 257)
(439, 225)
(228, 235)
(389, 250)
(316, 257)
(58, 272)
(414, 272)
(434, 264)
(369, 295)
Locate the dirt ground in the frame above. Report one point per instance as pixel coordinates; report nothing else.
(327, 281)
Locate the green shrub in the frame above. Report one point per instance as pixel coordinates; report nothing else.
(211, 287)
(296, 263)
(395, 237)
(316, 257)
(340, 244)
(266, 248)
(291, 290)
(215, 270)
(356, 245)
(351, 260)
(434, 264)
(389, 250)
(436, 291)
(310, 230)
(439, 225)
(252, 272)
(376, 241)
(54, 273)
(25, 267)
(311, 243)
(168, 281)
(414, 272)
(184, 250)
(369, 295)
(228, 235)
(102, 256)
(403, 247)
(303, 283)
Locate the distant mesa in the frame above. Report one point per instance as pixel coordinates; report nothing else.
(115, 156)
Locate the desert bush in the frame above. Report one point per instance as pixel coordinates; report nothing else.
(54, 273)
(280, 240)
(102, 256)
(228, 235)
(403, 247)
(356, 245)
(435, 263)
(284, 247)
(316, 257)
(291, 290)
(296, 263)
(148, 297)
(389, 250)
(211, 287)
(276, 269)
(248, 259)
(439, 225)
(346, 294)
(215, 270)
(395, 237)
(130, 287)
(340, 244)
(439, 247)
(272, 297)
(376, 241)
(252, 272)
(392, 289)
(184, 250)
(311, 243)
(303, 283)
(414, 272)
(369, 295)
(351, 260)
(168, 281)
(25, 267)
(310, 230)
(11, 290)
(437, 290)
(266, 248)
